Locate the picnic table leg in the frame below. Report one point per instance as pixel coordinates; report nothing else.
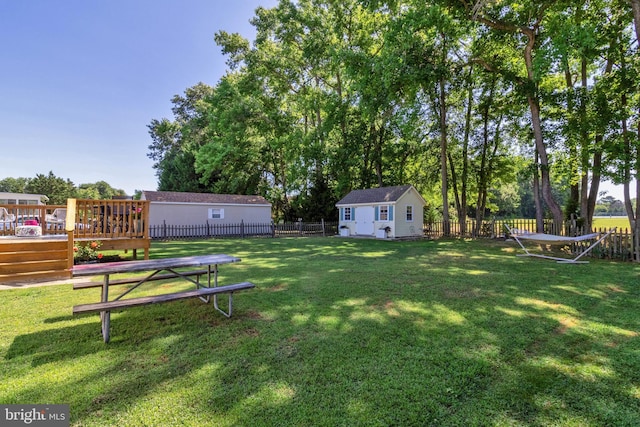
(226, 313)
(106, 320)
(207, 298)
(105, 316)
(204, 299)
(215, 296)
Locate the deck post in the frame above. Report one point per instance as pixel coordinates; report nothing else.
(69, 226)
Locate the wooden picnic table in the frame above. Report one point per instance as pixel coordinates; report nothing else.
(156, 267)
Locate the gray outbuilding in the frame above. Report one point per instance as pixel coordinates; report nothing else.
(178, 208)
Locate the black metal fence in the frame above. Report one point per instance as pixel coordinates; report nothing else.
(242, 230)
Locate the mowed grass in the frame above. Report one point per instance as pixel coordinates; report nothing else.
(343, 332)
(606, 223)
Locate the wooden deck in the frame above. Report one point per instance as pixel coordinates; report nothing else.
(119, 225)
(33, 259)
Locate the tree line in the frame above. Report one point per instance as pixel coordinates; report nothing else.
(58, 189)
(485, 107)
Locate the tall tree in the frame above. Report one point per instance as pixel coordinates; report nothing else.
(633, 143)
(333, 96)
(525, 22)
(98, 190)
(14, 185)
(57, 189)
(174, 143)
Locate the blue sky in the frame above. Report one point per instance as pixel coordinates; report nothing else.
(81, 80)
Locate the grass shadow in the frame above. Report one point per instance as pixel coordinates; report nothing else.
(356, 332)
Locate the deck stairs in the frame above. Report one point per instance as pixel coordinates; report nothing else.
(30, 260)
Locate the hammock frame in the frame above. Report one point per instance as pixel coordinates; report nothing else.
(550, 239)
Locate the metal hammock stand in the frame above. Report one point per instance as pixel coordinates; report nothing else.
(551, 239)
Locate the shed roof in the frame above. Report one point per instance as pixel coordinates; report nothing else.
(222, 199)
(374, 195)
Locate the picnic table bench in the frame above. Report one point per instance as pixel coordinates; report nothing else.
(154, 268)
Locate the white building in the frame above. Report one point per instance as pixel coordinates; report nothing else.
(385, 212)
(22, 199)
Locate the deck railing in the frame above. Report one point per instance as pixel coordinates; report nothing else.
(45, 215)
(93, 219)
(100, 219)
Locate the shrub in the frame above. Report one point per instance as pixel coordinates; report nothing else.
(86, 251)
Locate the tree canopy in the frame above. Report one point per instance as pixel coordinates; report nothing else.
(486, 107)
(57, 189)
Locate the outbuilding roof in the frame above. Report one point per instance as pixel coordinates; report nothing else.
(374, 195)
(206, 198)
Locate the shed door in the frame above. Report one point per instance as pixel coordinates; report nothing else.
(364, 220)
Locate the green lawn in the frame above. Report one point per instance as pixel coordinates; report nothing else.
(621, 222)
(344, 332)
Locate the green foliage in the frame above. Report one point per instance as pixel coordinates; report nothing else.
(57, 189)
(178, 173)
(86, 251)
(100, 190)
(507, 200)
(14, 185)
(313, 206)
(571, 209)
(175, 143)
(609, 205)
(354, 92)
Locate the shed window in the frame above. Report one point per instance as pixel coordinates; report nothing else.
(409, 213)
(215, 213)
(347, 214)
(384, 213)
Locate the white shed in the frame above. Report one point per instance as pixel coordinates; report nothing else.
(176, 208)
(385, 212)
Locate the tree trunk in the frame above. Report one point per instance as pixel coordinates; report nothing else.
(378, 157)
(536, 197)
(633, 217)
(446, 225)
(635, 7)
(636, 221)
(590, 198)
(481, 201)
(465, 154)
(532, 97)
(595, 182)
(575, 202)
(456, 195)
(534, 107)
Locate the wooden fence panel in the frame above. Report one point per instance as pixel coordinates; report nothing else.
(618, 245)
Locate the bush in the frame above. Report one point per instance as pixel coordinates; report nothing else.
(86, 251)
